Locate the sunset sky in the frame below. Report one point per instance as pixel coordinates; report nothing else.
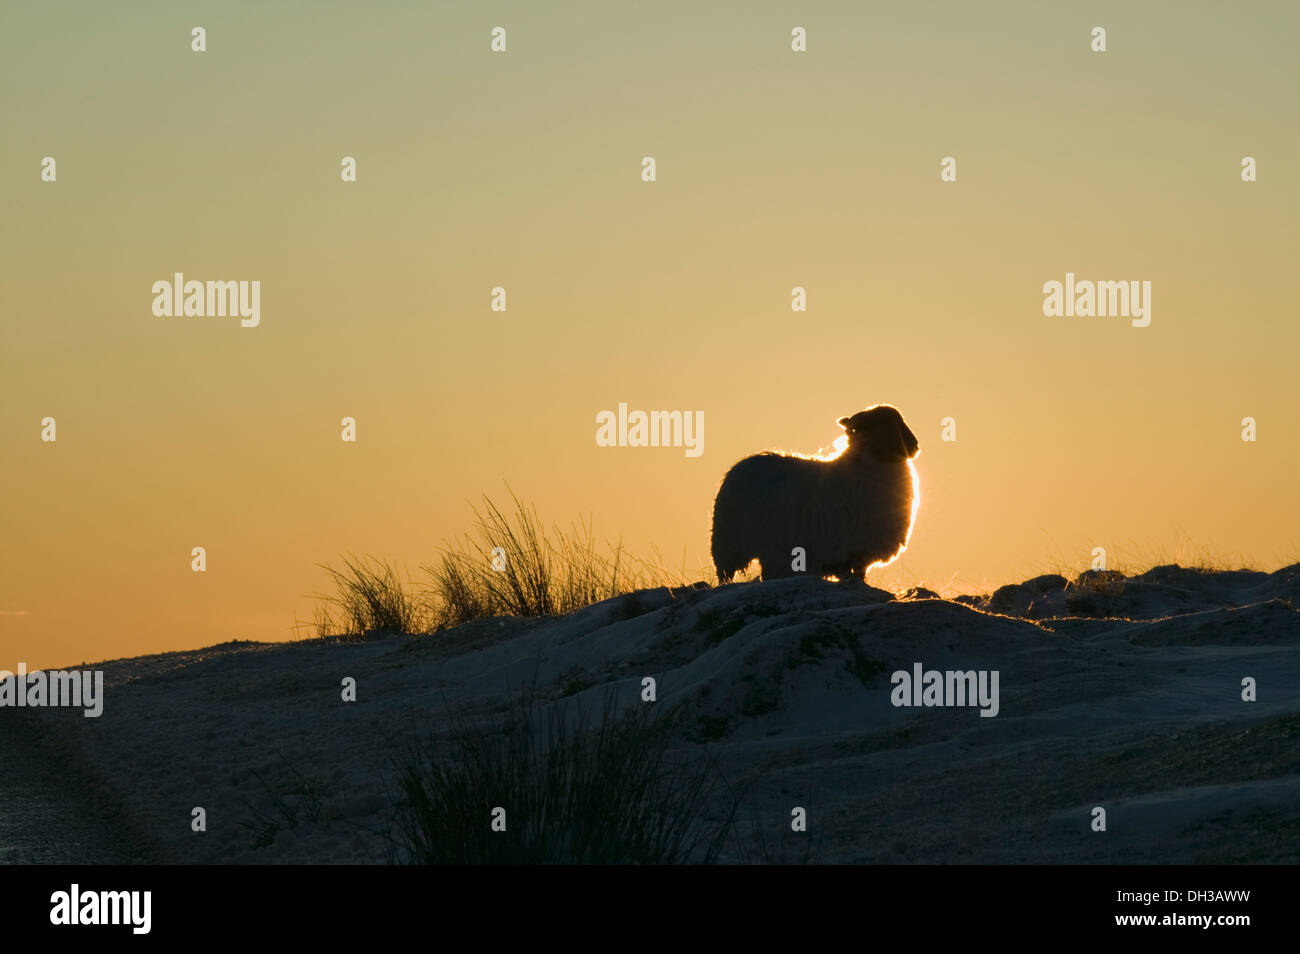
(522, 169)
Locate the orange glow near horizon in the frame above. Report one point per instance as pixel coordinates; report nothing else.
(523, 171)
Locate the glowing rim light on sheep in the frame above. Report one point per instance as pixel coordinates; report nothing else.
(911, 524)
(840, 445)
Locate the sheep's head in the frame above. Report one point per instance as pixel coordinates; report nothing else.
(881, 431)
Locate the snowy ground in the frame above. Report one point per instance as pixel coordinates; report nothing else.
(1122, 694)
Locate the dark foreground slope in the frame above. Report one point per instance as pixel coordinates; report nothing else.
(1121, 694)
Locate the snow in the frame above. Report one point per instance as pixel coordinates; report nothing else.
(1139, 712)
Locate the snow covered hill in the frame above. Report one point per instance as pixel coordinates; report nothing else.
(1114, 693)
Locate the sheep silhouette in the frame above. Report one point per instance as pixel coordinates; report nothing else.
(848, 512)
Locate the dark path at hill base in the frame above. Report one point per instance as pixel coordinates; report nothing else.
(46, 816)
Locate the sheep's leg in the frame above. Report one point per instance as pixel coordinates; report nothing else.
(775, 565)
(727, 560)
(845, 572)
(728, 565)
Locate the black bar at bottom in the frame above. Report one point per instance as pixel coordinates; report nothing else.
(333, 904)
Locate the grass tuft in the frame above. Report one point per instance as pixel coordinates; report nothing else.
(369, 601)
(579, 785)
(510, 565)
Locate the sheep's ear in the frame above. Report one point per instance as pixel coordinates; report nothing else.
(844, 423)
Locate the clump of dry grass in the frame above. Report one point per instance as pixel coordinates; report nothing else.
(370, 600)
(509, 564)
(583, 785)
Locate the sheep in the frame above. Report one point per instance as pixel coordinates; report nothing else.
(848, 512)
